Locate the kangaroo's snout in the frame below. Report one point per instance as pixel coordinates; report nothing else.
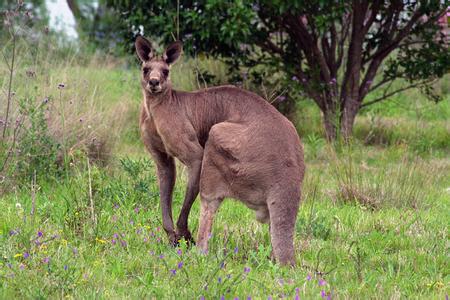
(153, 82)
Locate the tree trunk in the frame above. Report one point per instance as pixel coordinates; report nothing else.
(348, 116)
(331, 122)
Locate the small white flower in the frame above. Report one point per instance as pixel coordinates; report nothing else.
(18, 205)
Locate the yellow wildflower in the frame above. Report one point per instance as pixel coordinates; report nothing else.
(100, 241)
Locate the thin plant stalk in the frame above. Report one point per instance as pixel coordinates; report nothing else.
(90, 192)
(11, 75)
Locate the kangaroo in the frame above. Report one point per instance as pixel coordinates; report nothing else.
(233, 143)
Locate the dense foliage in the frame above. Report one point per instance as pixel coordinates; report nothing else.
(331, 51)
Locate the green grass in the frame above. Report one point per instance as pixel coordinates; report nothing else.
(389, 252)
(373, 221)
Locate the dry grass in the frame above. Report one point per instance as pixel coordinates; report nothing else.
(408, 184)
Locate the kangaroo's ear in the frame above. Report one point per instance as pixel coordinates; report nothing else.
(173, 52)
(144, 49)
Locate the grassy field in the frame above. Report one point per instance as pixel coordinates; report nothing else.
(373, 221)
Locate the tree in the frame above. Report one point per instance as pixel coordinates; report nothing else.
(330, 50)
(100, 26)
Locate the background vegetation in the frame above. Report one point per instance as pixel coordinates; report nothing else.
(80, 213)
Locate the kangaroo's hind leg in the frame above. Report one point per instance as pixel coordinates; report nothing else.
(283, 207)
(213, 189)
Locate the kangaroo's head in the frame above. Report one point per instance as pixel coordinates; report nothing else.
(155, 69)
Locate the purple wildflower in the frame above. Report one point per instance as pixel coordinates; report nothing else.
(294, 78)
(66, 267)
(322, 282)
(222, 298)
(222, 264)
(179, 252)
(173, 271)
(151, 252)
(236, 298)
(12, 232)
(161, 256)
(139, 231)
(26, 255)
(46, 260)
(75, 251)
(116, 206)
(40, 234)
(131, 222)
(281, 98)
(113, 241)
(180, 265)
(333, 81)
(246, 270)
(123, 243)
(236, 250)
(21, 266)
(249, 298)
(136, 210)
(297, 296)
(202, 298)
(308, 277)
(115, 235)
(323, 294)
(219, 280)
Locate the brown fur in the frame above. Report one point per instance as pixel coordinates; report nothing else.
(234, 145)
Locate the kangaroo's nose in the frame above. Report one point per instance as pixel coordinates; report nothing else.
(154, 82)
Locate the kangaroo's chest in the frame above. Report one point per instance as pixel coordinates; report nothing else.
(174, 136)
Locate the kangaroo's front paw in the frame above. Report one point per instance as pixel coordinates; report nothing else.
(173, 239)
(186, 235)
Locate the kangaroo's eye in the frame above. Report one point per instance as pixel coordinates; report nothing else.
(165, 72)
(146, 70)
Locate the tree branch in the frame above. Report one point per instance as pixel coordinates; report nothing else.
(386, 95)
(345, 29)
